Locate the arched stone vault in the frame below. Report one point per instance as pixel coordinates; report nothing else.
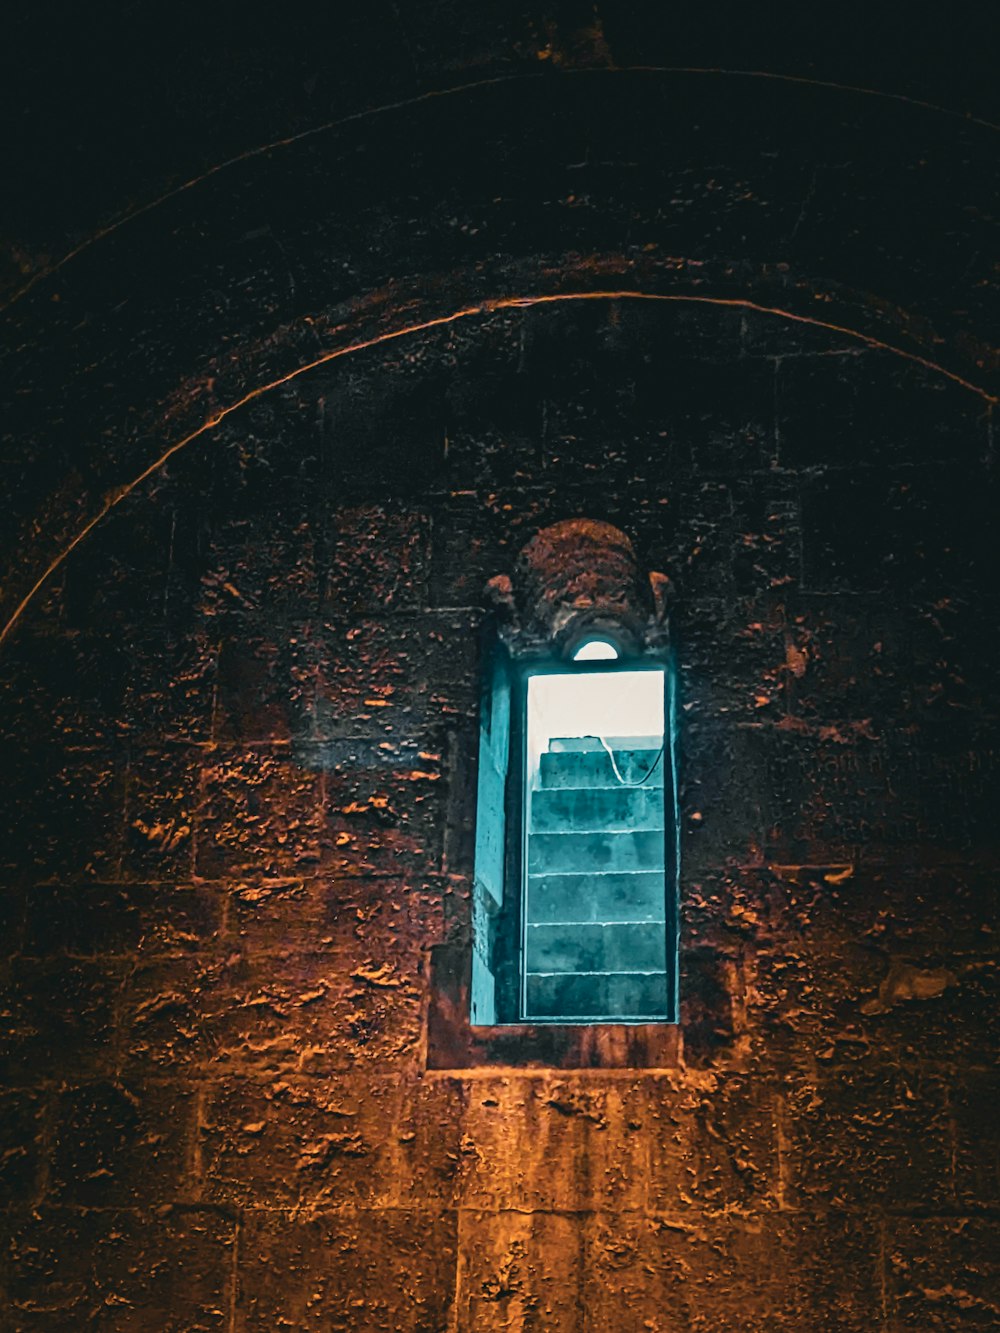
(643, 185)
(301, 410)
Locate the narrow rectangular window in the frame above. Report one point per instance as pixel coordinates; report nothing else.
(575, 897)
(594, 922)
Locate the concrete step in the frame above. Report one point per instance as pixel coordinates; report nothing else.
(607, 997)
(561, 853)
(589, 947)
(593, 768)
(639, 896)
(588, 809)
(560, 744)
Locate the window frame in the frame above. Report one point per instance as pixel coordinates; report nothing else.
(507, 942)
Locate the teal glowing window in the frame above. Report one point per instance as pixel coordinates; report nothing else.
(576, 868)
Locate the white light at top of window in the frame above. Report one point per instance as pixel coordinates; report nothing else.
(616, 704)
(595, 650)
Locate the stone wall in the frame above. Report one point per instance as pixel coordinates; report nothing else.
(242, 731)
(297, 354)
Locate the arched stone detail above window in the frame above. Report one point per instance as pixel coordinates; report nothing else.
(576, 882)
(576, 579)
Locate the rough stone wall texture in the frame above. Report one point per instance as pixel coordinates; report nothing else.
(238, 717)
(242, 727)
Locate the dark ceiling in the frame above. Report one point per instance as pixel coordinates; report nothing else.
(109, 106)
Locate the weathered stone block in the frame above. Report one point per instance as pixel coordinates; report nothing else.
(264, 688)
(725, 799)
(253, 575)
(120, 919)
(713, 1146)
(973, 1097)
(118, 1143)
(121, 1271)
(377, 1269)
(360, 919)
(62, 687)
(64, 816)
(520, 1270)
(294, 1142)
(877, 529)
(810, 999)
(161, 800)
(170, 688)
(712, 1019)
(377, 562)
(710, 414)
(905, 797)
(311, 1012)
(58, 1019)
(850, 665)
(433, 1152)
(733, 660)
(932, 1002)
(384, 822)
(866, 1139)
(732, 537)
(20, 1147)
(397, 678)
(259, 813)
(581, 1144)
(741, 1275)
(13, 910)
(942, 1274)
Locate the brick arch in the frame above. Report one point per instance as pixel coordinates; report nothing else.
(496, 197)
(52, 269)
(122, 492)
(170, 758)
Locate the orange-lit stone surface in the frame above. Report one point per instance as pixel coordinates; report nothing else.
(238, 719)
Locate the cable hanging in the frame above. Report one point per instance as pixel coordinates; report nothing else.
(614, 764)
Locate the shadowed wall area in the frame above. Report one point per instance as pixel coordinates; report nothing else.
(265, 442)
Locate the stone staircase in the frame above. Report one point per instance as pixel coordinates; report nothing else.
(595, 930)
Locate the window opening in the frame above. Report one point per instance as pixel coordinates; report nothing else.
(594, 919)
(574, 902)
